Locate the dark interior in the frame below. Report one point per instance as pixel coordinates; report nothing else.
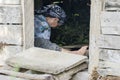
(75, 31)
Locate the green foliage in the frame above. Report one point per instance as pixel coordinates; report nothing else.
(76, 29)
(71, 33)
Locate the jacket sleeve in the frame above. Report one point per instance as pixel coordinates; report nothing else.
(47, 44)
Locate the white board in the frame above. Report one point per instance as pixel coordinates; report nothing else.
(110, 23)
(112, 3)
(113, 30)
(11, 14)
(11, 34)
(10, 1)
(109, 64)
(38, 59)
(109, 68)
(110, 19)
(110, 55)
(108, 41)
(108, 72)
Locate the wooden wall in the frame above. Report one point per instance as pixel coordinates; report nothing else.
(105, 38)
(16, 27)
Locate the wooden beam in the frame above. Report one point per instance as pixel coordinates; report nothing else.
(28, 23)
(96, 7)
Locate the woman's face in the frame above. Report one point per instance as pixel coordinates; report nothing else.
(53, 22)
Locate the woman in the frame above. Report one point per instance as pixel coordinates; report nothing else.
(48, 17)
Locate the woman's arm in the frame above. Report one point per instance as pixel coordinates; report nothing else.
(81, 51)
(47, 44)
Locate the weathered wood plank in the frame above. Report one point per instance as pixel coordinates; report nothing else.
(112, 5)
(4, 77)
(110, 23)
(112, 2)
(38, 59)
(110, 72)
(28, 23)
(108, 41)
(110, 19)
(27, 76)
(109, 64)
(10, 1)
(108, 68)
(8, 51)
(11, 34)
(109, 78)
(114, 30)
(11, 14)
(110, 55)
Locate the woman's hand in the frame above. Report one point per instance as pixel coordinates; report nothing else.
(82, 50)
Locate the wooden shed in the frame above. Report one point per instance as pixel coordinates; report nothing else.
(17, 34)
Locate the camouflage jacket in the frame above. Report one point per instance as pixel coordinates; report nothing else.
(42, 34)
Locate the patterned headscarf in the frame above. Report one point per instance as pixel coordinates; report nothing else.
(53, 10)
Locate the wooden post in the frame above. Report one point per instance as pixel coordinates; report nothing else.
(28, 23)
(96, 7)
(104, 40)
